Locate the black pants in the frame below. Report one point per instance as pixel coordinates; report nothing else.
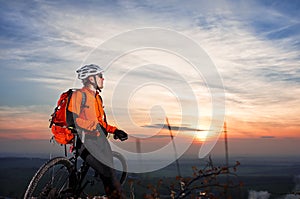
(96, 152)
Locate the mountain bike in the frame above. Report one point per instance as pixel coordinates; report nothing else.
(63, 177)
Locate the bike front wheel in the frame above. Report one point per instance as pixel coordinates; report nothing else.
(51, 179)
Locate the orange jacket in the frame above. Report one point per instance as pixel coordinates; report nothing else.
(92, 113)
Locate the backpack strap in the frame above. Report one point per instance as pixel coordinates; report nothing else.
(83, 101)
(70, 116)
(70, 92)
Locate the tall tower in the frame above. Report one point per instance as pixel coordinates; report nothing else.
(226, 157)
(226, 143)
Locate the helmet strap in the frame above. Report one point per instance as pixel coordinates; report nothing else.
(95, 84)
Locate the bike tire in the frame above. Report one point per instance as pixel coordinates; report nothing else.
(123, 171)
(64, 167)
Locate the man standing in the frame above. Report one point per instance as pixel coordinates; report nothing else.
(90, 122)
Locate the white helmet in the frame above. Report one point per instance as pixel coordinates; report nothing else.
(88, 70)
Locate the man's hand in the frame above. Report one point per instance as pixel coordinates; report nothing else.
(121, 135)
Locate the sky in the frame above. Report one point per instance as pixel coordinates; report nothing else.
(251, 47)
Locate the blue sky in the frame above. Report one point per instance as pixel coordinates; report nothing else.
(254, 45)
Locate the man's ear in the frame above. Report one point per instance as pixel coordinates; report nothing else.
(91, 79)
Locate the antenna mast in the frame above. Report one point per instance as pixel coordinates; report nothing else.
(174, 147)
(226, 143)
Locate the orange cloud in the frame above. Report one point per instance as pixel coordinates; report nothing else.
(24, 123)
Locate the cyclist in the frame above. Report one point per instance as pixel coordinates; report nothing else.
(90, 122)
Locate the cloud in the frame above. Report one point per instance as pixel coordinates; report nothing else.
(267, 137)
(27, 122)
(257, 57)
(175, 128)
(258, 194)
(260, 74)
(142, 136)
(292, 196)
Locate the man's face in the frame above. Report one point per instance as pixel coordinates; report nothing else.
(99, 80)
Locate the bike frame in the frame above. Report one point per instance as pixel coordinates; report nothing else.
(69, 179)
(77, 176)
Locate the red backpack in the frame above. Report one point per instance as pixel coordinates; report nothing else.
(58, 122)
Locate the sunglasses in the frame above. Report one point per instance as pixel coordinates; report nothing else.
(100, 75)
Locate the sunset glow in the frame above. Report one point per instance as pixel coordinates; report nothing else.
(256, 58)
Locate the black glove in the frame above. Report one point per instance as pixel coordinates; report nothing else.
(121, 135)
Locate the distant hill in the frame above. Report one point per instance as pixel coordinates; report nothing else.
(15, 174)
(17, 162)
(275, 175)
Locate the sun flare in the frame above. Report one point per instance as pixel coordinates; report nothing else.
(201, 136)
